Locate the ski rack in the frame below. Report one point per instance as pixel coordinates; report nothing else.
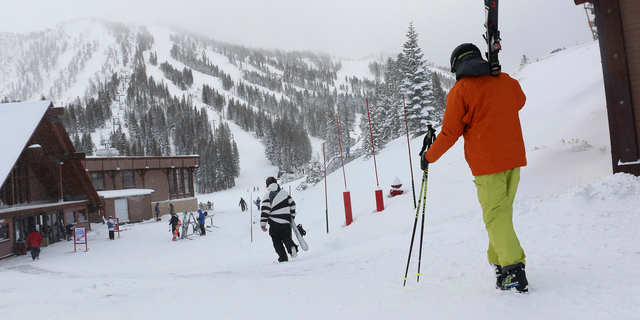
(188, 223)
(492, 35)
(210, 216)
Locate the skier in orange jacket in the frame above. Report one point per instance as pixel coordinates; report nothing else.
(484, 110)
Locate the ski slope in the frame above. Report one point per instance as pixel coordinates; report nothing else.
(576, 222)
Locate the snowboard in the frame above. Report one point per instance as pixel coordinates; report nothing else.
(294, 227)
(175, 233)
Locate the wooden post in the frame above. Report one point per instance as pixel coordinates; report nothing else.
(61, 192)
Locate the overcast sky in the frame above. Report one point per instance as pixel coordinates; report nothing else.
(344, 28)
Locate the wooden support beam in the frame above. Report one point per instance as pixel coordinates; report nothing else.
(615, 69)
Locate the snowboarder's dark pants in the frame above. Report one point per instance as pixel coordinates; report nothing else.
(281, 234)
(203, 231)
(111, 235)
(35, 253)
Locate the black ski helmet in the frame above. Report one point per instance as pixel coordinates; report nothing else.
(271, 180)
(461, 51)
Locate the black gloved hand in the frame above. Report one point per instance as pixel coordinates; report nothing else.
(424, 163)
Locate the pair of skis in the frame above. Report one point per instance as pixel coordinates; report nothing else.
(492, 35)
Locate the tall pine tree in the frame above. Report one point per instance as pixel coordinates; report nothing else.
(416, 84)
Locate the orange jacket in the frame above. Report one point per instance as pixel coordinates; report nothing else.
(485, 111)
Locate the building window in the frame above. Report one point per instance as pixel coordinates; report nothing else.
(4, 231)
(97, 178)
(82, 215)
(187, 183)
(172, 182)
(16, 187)
(128, 180)
(71, 217)
(179, 180)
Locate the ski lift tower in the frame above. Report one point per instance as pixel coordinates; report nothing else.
(590, 11)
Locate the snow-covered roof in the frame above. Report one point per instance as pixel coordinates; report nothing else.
(37, 205)
(18, 121)
(110, 194)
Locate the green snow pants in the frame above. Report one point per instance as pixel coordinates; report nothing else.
(496, 193)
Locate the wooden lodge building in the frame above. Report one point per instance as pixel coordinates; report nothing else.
(44, 186)
(47, 185)
(130, 187)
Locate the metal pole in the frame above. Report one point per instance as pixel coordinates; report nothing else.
(326, 202)
(341, 158)
(251, 214)
(378, 192)
(372, 146)
(346, 195)
(406, 123)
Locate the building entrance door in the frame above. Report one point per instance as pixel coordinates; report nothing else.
(122, 209)
(52, 228)
(24, 226)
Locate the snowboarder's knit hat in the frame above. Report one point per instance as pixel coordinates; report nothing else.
(271, 180)
(461, 51)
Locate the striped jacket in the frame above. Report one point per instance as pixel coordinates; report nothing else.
(279, 210)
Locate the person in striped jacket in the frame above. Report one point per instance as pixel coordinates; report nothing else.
(278, 208)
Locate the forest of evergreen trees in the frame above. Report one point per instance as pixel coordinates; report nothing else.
(157, 123)
(37, 55)
(283, 98)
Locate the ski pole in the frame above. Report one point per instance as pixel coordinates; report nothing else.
(422, 199)
(424, 204)
(415, 223)
(430, 137)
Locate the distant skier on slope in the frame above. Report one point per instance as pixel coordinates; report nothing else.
(278, 208)
(484, 110)
(243, 204)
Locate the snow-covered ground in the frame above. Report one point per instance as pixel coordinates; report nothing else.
(576, 221)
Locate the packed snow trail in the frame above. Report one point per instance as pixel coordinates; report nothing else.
(576, 221)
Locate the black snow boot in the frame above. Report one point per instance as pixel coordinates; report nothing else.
(515, 277)
(499, 276)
